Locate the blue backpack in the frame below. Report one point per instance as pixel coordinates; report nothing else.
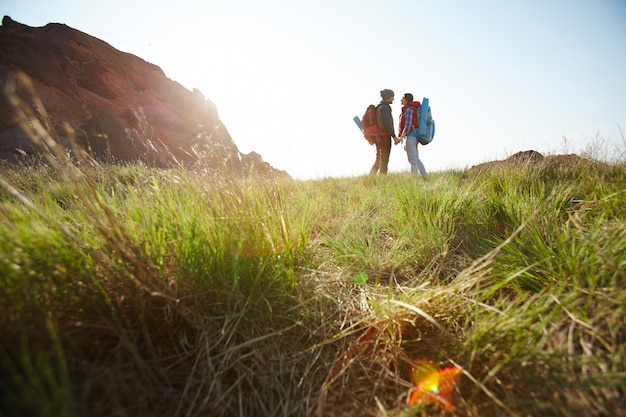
(426, 124)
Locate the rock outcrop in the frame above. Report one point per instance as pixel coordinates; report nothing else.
(120, 107)
(534, 158)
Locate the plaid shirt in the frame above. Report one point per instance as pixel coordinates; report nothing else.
(408, 120)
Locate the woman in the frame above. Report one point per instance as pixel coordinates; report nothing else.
(408, 131)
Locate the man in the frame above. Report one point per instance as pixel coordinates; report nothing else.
(385, 125)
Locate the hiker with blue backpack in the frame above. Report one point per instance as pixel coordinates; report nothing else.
(409, 123)
(386, 132)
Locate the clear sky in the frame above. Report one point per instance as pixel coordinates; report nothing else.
(288, 76)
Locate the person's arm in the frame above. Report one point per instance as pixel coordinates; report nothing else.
(385, 114)
(409, 115)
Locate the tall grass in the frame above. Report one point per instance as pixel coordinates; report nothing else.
(128, 290)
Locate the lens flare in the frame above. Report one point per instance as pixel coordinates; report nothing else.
(432, 385)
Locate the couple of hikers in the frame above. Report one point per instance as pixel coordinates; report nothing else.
(407, 128)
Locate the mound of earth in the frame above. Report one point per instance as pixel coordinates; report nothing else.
(531, 157)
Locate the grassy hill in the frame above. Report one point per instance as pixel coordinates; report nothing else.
(144, 292)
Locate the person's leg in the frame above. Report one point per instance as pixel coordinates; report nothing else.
(378, 160)
(411, 152)
(420, 165)
(385, 151)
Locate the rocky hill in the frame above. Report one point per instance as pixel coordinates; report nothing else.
(120, 107)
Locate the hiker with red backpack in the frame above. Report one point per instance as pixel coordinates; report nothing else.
(386, 132)
(408, 130)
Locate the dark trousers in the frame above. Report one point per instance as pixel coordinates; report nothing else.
(383, 149)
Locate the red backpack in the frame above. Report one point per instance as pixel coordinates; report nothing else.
(370, 124)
